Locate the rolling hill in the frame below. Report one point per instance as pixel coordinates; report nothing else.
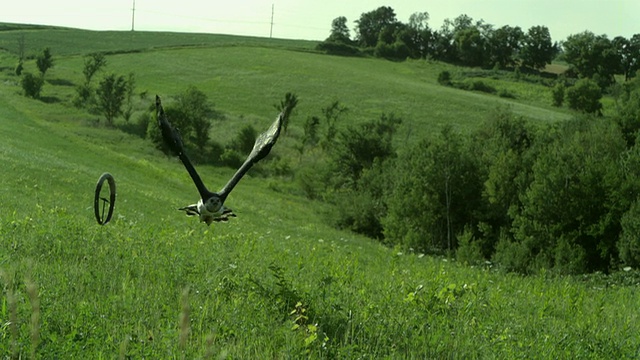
(276, 282)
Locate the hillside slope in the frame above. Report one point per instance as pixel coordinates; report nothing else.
(276, 282)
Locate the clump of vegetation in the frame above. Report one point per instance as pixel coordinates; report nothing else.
(557, 94)
(444, 78)
(585, 97)
(32, 85)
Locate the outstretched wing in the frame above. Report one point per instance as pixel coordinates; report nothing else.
(261, 148)
(171, 136)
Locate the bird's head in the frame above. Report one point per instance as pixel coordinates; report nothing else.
(213, 204)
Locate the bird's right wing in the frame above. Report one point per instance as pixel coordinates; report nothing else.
(261, 148)
(171, 136)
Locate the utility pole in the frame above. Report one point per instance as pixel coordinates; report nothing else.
(133, 15)
(271, 30)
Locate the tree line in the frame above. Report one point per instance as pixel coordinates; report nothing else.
(468, 42)
(563, 197)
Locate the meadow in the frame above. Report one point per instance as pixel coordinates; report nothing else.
(277, 281)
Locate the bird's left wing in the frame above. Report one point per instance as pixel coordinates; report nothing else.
(261, 148)
(172, 137)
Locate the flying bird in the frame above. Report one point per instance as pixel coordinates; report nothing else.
(211, 207)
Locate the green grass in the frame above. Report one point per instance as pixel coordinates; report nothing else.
(276, 282)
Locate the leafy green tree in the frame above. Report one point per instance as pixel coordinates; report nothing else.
(628, 51)
(537, 49)
(111, 93)
(44, 61)
(131, 86)
(471, 46)
(503, 145)
(503, 46)
(286, 106)
(332, 114)
(85, 92)
(339, 31)
(417, 35)
(585, 97)
(435, 191)
(570, 218)
(628, 110)
(198, 112)
(629, 243)
(372, 23)
(32, 85)
(92, 64)
(590, 56)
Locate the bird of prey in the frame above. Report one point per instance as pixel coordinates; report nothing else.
(211, 207)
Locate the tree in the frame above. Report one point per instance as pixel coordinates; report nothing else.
(570, 218)
(435, 190)
(44, 61)
(585, 96)
(417, 35)
(92, 64)
(111, 93)
(470, 46)
(286, 106)
(537, 49)
(503, 46)
(198, 113)
(593, 57)
(372, 23)
(32, 85)
(339, 31)
(628, 51)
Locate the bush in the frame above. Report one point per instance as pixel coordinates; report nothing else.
(629, 243)
(444, 78)
(336, 48)
(557, 94)
(19, 68)
(32, 85)
(504, 93)
(244, 141)
(469, 250)
(585, 97)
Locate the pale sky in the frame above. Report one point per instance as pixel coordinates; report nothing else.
(311, 20)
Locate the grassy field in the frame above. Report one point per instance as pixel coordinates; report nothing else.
(276, 282)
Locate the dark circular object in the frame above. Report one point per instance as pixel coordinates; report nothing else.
(111, 201)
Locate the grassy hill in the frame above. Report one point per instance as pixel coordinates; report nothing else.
(276, 282)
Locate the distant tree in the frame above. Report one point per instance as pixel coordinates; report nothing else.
(503, 46)
(131, 86)
(286, 106)
(92, 64)
(371, 24)
(593, 56)
(435, 190)
(32, 85)
(628, 51)
(198, 113)
(331, 114)
(418, 35)
(44, 61)
(339, 31)
(537, 49)
(470, 45)
(111, 93)
(585, 97)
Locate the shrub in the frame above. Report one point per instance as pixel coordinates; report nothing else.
(585, 97)
(479, 85)
(629, 243)
(504, 93)
(444, 78)
(469, 250)
(243, 142)
(557, 94)
(32, 85)
(336, 48)
(19, 68)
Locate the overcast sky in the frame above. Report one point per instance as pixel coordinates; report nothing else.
(306, 19)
